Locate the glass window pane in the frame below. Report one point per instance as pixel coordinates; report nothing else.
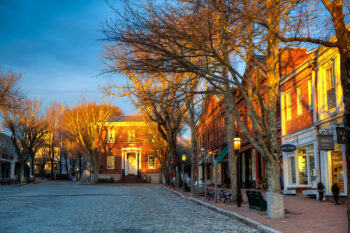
(291, 171)
(312, 167)
(337, 169)
(302, 166)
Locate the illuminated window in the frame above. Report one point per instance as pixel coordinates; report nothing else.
(289, 106)
(110, 162)
(299, 101)
(309, 90)
(111, 136)
(301, 166)
(151, 162)
(131, 136)
(283, 108)
(330, 87)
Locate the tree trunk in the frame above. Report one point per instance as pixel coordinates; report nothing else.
(96, 165)
(193, 152)
(232, 160)
(66, 160)
(20, 173)
(274, 197)
(345, 81)
(33, 166)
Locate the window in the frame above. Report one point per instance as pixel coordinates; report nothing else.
(291, 171)
(301, 166)
(337, 167)
(131, 136)
(289, 106)
(151, 162)
(283, 107)
(330, 87)
(110, 162)
(309, 90)
(111, 136)
(299, 101)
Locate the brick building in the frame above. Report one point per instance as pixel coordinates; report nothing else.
(126, 151)
(312, 109)
(211, 132)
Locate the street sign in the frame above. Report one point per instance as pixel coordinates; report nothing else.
(325, 142)
(341, 135)
(287, 148)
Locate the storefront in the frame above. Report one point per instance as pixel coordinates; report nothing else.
(300, 166)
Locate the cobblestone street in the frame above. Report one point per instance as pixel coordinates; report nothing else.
(69, 207)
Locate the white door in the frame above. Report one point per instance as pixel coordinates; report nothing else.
(132, 165)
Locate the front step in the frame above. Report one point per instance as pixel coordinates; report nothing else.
(130, 179)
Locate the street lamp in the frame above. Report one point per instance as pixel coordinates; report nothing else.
(237, 147)
(183, 169)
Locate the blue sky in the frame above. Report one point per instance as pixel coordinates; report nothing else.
(56, 45)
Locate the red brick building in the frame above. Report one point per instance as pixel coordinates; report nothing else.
(126, 151)
(211, 132)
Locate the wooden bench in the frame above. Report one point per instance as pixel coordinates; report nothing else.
(256, 200)
(105, 180)
(209, 194)
(227, 196)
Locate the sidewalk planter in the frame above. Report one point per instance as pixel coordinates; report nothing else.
(335, 191)
(320, 190)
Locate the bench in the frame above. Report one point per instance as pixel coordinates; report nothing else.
(256, 200)
(209, 194)
(227, 196)
(105, 180)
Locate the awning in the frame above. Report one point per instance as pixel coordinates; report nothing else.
(222, 155)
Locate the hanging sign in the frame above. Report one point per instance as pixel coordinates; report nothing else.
(287, 148)
(325, 142)
(341, 135)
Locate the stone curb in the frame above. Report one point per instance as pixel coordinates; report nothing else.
(254, 224)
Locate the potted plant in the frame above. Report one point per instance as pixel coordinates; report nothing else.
(335, 191)
(320, 189)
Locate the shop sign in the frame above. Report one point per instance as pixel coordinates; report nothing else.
(287, 148)
(341, 135)
(325, 142)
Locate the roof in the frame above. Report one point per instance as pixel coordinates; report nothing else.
(131, 118)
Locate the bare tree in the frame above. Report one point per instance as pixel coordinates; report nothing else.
(85, 123)
(28, 130)
(10, 95)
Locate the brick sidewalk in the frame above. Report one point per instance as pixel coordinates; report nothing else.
(303, 214)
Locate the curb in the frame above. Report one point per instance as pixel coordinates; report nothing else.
(254, 224)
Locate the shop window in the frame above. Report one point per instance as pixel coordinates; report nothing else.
(299, 101)
(151, 162)
(301, 166)
(110, 162)
(337, 167)
(291, 171)
(330, 87)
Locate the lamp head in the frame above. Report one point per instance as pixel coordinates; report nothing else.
(237, 142)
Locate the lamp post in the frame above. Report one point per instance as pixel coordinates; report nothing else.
(183, 170)
(237, 147)
(202, 151)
